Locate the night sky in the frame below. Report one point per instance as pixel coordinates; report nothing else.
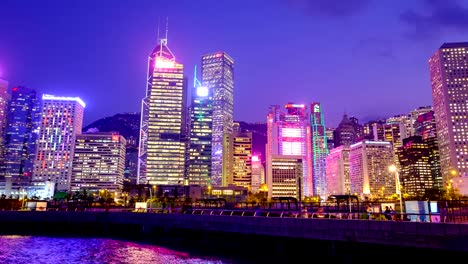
(367, 58)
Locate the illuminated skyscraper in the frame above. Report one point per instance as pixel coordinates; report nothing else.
(61, 121)
(98, 163)
(258, 173)
(449, 78)
(241, 169)
(162, 133)
(199, 147)
(21, 131)
(319, 150)
(3, 111)
(286, 176)
(368, 169)
(289, 133)
(218, 75)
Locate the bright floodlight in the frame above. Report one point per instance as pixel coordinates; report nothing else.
(392, 168)
(202, 91)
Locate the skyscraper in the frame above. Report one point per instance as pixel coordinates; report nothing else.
(98, 162)
(241, 169)
(449, 79)
(61, 121)
(199, 146)
(319, 150)
(218, 75)
(338, 171)
(21, 131)
(3, 108)
(289, 134)
(369, 173)
(162, 134)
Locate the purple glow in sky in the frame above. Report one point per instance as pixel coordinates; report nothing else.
(367, 58)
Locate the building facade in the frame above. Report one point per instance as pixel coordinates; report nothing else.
(319, 150)
(200, 139)
(286, 177)
(163, 121)
(449, 80)
(218, 76)
(289, 133)
(98, 163)
(369, 173)
(61, 121)
(241, 172)
(338, 181)
(3, 115)
(21, 132)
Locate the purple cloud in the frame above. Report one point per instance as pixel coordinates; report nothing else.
(441, 16)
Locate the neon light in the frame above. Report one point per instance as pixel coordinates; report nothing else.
(15, 89)
(219, 55)
(202, 91)
(115, 137)
(255, 159)
(63, 98)
(295, 105)
(164, 63)
(291, 132)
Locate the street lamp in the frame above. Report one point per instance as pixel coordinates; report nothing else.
(393, 168)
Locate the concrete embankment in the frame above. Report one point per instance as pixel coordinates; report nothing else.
(251, 238)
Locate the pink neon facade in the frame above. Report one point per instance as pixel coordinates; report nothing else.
(289, 135)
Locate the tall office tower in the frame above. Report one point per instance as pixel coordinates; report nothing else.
(330, 139)
(378, 130)
(286, 176)
(218, 75)
(319, 150)
(21, 132)
(199, 147)
(289, 133)
(98, 163)
(358, 128)
(61, 121)
(425, 126)
(412, 117)
(369, 172)
(449, 78)
(344, 134)
(258, 173)
(3, 115)
(241, 169)
(415, 172)
(162, 134)
(338, 171)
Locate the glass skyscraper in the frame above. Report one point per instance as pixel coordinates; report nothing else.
(21, 131)
(162, 134)
(449, 78)
(218, 75)
(199, 147)
(319, 150)
(3, 108)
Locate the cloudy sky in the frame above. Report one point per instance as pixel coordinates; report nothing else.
(366, 58)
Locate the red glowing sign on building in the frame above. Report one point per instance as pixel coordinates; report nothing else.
(115, 137)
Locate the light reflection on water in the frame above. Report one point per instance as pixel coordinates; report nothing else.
(47, 250)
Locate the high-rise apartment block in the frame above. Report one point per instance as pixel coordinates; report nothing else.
(162, 134)
(449, 79)
(98, 163)
(61, 121)
(218, 75)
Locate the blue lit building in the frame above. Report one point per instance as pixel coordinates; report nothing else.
(319, 150)
(21, 131)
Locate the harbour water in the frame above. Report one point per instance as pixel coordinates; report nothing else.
(50, 250)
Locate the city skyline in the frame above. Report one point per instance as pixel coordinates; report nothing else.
(91, 45)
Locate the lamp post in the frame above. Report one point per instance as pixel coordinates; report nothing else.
(394, 169)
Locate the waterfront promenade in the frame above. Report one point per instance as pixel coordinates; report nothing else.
(240, 233)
